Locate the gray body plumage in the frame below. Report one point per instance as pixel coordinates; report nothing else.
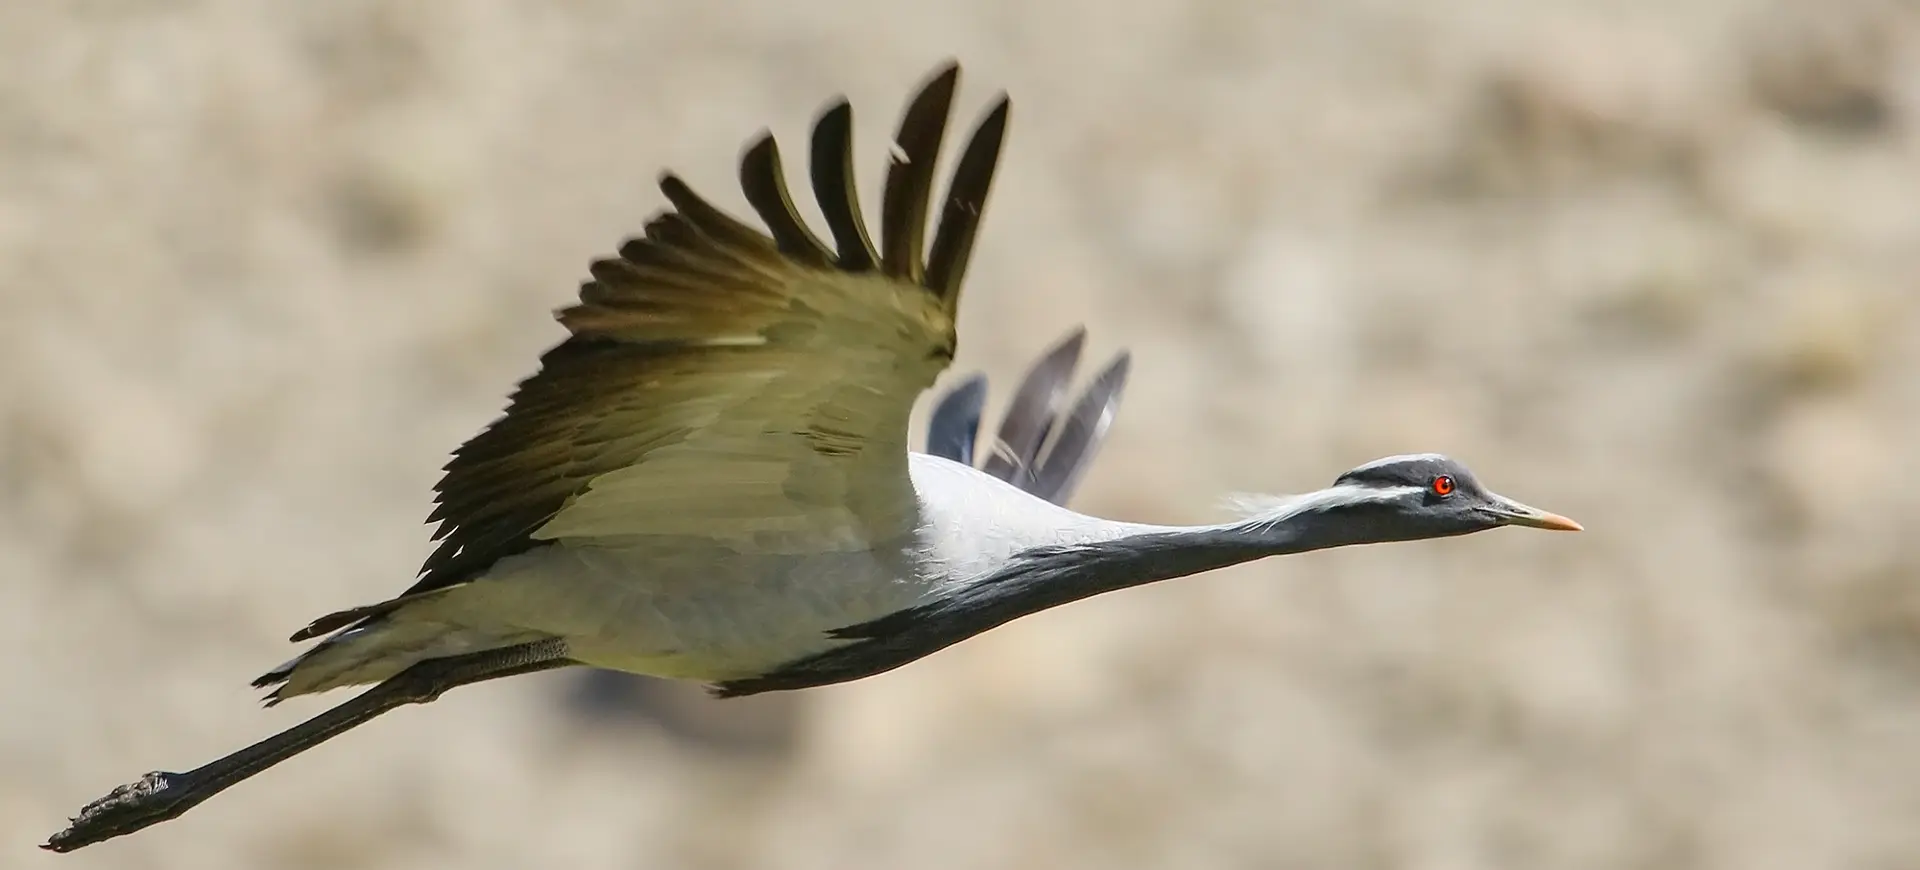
(690, 607)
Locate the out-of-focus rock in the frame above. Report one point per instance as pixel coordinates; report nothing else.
(1835, 67)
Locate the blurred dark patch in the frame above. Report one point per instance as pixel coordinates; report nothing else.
(759, 725)
(1874, 617)
(1825, 348)
(1829, 68)
(374, 212)
(1528, 130)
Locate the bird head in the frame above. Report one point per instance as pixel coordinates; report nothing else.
(1400, 498)
(1429, 495)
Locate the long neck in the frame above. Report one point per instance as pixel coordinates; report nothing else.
(1048, 577)
(1106, 557)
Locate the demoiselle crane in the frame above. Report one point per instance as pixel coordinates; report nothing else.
(710, 480)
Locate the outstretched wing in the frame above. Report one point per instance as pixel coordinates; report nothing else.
(1035, 449)
(723, 382)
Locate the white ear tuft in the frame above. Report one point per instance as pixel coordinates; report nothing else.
(1255, 504)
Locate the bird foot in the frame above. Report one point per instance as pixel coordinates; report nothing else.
(151, 799)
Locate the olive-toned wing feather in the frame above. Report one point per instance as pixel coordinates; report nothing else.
(727, 382)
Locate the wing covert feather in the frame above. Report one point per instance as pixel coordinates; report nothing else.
(727, 381)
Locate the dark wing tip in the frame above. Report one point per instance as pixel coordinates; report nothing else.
(710, 220)
(910, 175)
(765, 186)
(966, 200)
(834, 190)
(948, 68)
(906, 200)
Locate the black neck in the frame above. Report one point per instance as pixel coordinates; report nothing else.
(1043, 578)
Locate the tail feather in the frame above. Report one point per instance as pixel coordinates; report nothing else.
(353, 616)
(374, 651)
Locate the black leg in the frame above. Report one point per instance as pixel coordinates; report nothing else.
(160, 796)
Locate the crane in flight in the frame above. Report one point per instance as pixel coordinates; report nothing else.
(709, 478)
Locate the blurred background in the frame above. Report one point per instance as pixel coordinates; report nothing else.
(1654, 265)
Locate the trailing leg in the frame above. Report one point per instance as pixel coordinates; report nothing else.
(160, 796)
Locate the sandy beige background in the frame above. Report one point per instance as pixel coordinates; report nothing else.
(1654, 265)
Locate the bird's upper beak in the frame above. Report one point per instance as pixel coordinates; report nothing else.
(1514, 513)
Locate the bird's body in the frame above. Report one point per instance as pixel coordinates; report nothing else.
(692, 607)
(709, 479)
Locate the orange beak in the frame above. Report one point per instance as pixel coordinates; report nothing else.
(1517, 514)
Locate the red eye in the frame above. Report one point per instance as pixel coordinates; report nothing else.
(1443, 485)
